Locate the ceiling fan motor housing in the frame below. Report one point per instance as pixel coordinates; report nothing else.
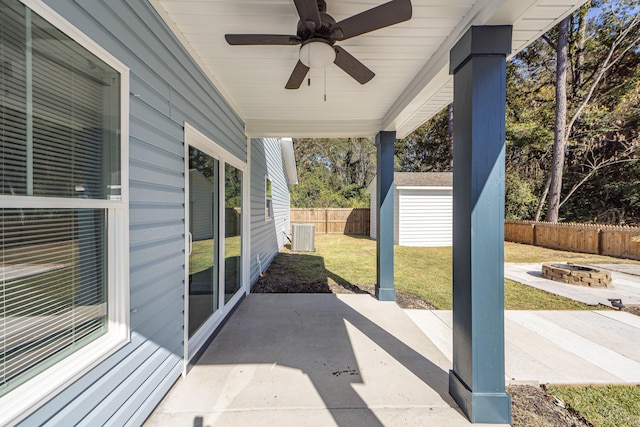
(307, 29)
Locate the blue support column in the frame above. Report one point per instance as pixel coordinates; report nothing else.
(385, 288)
(476, 382)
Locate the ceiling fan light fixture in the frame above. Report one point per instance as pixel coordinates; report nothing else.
(317, 32)
(317, 54)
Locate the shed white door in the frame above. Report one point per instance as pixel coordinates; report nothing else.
(425, 217)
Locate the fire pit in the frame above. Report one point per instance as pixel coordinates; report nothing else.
(577, 275)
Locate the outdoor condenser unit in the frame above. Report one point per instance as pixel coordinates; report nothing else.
(303, 236)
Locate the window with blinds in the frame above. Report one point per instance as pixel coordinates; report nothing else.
(53, 287)
(60, 173)
(268, 196)
(59, 112)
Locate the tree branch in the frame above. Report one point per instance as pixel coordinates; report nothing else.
(549, 41)
(543, 198)
(607, 64)
(591, 173)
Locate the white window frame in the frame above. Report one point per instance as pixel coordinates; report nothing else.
(26, 398)
(268, 211)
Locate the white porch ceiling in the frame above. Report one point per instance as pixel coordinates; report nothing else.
(410, 60)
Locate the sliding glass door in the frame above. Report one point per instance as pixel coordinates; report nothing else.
(233, 231)
(214, 237)
(203, 228)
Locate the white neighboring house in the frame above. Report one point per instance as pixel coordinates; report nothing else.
(201, 193)
(423, 208)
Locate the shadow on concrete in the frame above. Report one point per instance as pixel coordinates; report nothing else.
(314, 334)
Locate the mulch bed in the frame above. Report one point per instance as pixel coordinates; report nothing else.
(270, 284)
(534, 407)
(633, 309)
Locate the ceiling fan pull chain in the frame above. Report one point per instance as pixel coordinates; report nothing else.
(309, 62)
(325, 85)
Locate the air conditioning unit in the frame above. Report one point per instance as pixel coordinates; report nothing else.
(303, 236)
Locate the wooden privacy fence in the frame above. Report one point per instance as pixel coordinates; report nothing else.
(334, 221)
(622, 242)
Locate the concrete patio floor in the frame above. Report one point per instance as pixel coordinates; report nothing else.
(350, 360)
(315, 360)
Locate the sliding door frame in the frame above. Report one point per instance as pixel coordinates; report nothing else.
(196, 139)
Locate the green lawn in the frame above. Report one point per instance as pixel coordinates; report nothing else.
(515, 252)
(427, 272)
(202, 253)
(201, 257)
(603, 406)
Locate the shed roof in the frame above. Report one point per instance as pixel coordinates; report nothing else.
(417, 179)
(423, 179)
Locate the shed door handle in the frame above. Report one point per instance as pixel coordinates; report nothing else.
(190, 244)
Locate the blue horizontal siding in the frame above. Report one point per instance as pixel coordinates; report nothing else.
(141, 213)
(148, 395)
(101, 389)
(267, 236)
(127, 387)
(167, 88)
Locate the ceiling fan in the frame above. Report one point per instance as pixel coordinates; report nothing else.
(318, 32)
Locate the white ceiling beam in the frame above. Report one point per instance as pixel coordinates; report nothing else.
(312, 129)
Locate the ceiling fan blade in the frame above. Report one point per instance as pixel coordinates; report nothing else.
(386, 14)
(309, 12)
(260, 39)
(352, 66)
(297, 76)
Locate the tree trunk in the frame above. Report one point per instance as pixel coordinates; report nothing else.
(559, 141)
(580, 45)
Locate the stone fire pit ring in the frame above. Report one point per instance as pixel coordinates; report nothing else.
(577, 275)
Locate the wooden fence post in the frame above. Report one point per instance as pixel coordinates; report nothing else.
(599, 241)
(326, 221)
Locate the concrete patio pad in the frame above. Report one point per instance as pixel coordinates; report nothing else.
(557, 347)
(315, 360)
(625, 280)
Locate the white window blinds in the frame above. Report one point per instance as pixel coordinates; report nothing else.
(59, 113)
(53, 287)
(60, 138)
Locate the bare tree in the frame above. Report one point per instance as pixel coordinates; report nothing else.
(595, 160)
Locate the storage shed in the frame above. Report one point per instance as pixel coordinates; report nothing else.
(423, 208)
(201, 193)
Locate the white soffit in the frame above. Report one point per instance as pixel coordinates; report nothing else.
(410, 59)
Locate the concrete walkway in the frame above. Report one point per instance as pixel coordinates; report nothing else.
(315, 360)
(625, 279)
(557, 347)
